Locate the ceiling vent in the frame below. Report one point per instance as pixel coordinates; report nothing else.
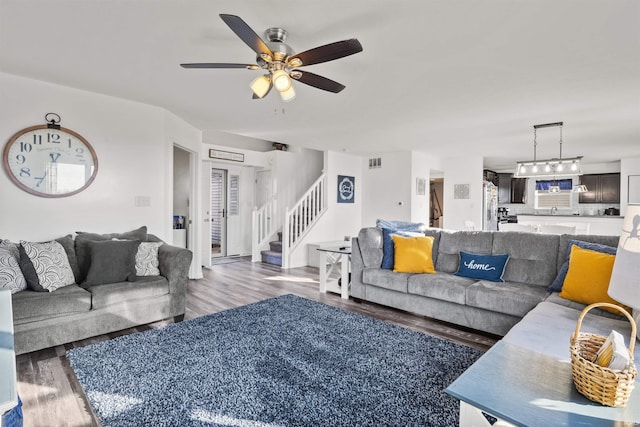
(375, 163)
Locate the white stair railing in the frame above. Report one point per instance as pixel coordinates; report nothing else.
(264, 225)
(301, 218)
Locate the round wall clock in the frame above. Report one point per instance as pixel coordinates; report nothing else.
(50, 161)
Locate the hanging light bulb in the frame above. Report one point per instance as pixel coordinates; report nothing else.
(560, 167)
(547, 167)
(260, 85)
(535, 168)
(523, 169)
(574, 166)
(281, 80)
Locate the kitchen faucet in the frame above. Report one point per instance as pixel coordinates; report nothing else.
(554, 210)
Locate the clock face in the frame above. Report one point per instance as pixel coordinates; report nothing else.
(50, 162)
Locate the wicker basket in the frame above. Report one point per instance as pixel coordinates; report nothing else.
(603, 385)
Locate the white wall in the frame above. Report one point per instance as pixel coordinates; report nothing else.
(388, 191)
(341, 219)
(462, 170)
(134, 159)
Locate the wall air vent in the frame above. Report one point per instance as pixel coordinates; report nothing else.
(375, 163)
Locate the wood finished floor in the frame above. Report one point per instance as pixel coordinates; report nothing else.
(52, 396)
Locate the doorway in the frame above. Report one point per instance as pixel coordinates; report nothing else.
(222, 226)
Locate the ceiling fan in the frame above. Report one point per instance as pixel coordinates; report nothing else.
(276, 57)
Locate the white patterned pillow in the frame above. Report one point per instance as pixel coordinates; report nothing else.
(147, 259)
(50, 263)
(11, 276)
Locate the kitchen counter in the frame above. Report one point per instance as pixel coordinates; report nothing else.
(603, 225)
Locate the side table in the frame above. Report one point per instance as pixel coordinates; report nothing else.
(332, 258)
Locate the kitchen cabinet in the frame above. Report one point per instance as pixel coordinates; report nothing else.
(603, 188)
(504, 188)
(518, 190)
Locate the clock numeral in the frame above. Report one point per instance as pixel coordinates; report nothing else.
(25, 147)
(39, 179)
(53, 137)
(20, 158)
(37, 139)
(25, 172)
(69, 142)
(54, 157)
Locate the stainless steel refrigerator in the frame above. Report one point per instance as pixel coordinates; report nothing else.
(490, 207)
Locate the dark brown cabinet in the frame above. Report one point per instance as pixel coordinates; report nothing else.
(518, 190)
(511, 190)
(603, 188)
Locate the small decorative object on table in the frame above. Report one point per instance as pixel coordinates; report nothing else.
(603, 385)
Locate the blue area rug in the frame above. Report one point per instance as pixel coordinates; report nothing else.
(285, 361)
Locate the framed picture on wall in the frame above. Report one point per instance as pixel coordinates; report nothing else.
(346, 189)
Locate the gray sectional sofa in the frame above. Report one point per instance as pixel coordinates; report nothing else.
(534, 262)
(74, 312)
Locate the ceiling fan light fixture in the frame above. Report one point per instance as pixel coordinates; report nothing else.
(260, 85)
(281, 80)
(288, 95)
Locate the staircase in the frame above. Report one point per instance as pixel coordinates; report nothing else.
(274, 254)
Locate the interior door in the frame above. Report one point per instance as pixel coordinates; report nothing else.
(206, 216)
(218, 222)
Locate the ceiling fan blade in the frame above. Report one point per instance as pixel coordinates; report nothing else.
(328, 52)
(246, 34)
(220, 65)
(317, 81)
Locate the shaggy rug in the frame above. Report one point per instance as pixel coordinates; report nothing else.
(285, 361)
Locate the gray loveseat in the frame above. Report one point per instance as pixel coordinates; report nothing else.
(534, 262)
(76, 312)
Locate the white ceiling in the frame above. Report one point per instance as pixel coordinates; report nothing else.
(449, 77)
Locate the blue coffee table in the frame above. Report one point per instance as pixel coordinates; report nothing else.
(526, 388)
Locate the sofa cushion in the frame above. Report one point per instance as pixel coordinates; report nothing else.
(452, 243)
(11, 276)
(556, 285)
(442, 286)
(386, 279)
(112, 261)
(82, 246)
(532, 256)
(587, 280)
(512, 298)
(564, 249)
(483, 267)
(388, 247)
(555, 298)
(45, 266)
(113, 293)
(67, 300)
(370, 241)
(401, 225)
(147, 263)
(413, 254)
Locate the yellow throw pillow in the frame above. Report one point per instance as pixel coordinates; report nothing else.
(413, 254)
(587, 280)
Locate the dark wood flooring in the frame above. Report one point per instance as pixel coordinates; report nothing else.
(52, 396)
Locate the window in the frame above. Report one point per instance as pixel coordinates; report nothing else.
(234, 196)
(546, 200)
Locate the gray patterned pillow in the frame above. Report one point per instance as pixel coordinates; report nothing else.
(147, 259)
(11, 276)
(50, 263)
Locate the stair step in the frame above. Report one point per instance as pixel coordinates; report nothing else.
(271, 257)
(276, 246)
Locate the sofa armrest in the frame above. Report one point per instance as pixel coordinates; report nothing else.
(174, 266)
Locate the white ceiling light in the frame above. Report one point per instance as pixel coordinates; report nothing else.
(261, 85)
(552, 167)
(281, 80)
